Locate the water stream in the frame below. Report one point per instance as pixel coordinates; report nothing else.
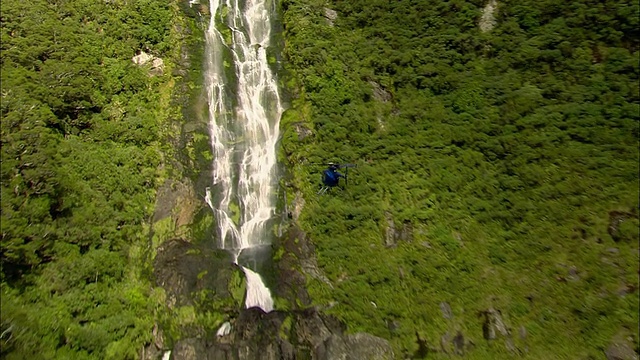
(244, 114)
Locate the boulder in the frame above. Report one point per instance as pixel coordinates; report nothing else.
(493, 325)
(302, 130)
(330, 15)
(156, 65)
(446, 310)
(488, 18)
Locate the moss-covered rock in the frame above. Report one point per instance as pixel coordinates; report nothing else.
(203, 287)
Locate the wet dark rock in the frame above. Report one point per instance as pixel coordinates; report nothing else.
(183, 268)
(151, 352)
(174, 195)
(287, 351)
(259, 258)
(156, 348)
(256, 335)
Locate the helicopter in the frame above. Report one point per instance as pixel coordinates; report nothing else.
(331, 176)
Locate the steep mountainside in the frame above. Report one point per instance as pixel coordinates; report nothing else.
(494, 209)
(85, 106)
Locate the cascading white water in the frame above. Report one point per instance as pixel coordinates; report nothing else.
(256, 292)
(244, 114)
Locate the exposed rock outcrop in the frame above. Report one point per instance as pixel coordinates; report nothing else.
(379, 93)
(621, 347)
(302, 130)
(354, 347)
(298, 259)
(446, 310)
(183, 269)
(271, 336)
(156, 65)
(187, 271)
(494, 328)
(493, 325)
(393, 234)
(178, 200)
(330, 15)
(488, 19)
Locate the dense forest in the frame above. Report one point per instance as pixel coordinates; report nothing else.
(494, 210)
(81, 137)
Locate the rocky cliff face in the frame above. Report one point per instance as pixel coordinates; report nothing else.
(299, 334)
(203, 316)
(204, 283)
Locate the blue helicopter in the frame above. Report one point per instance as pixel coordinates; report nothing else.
(331, 176)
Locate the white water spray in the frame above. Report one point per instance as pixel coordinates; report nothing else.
(244, 113)
(256, 291)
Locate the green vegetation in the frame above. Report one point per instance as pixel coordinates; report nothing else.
(496, 170)
(82, 132)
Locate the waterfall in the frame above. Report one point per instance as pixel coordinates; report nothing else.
(257, 292)
(244, 115)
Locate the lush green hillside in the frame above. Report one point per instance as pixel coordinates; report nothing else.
(81, 131)
(497, 171)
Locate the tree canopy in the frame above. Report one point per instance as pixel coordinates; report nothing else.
(497, 170)
(80, 155)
